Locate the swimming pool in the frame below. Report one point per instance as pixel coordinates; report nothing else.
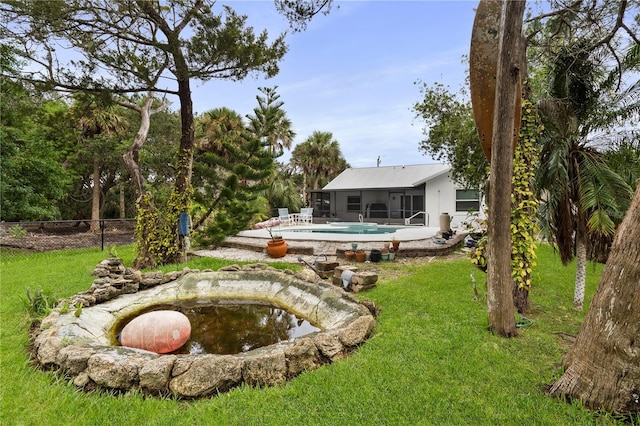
(333, 232)
(351, 228)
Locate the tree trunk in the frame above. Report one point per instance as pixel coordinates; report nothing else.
(581, 271)
(170, 246)
(304, 188)
(132, 156)
(123, 210)
(521, 299)
(499, 282)
(95, 198)
(181, 197)
(602, 370)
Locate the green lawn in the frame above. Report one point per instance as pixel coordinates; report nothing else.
(430, 360)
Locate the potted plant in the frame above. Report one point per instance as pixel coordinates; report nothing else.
(360, 255)
(276, 246)
(384, 253)
(392, 254)
(349, 254)
(396, 245)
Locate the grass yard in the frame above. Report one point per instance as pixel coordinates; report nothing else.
(430, 360)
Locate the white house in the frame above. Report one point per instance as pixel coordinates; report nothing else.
(416, 194)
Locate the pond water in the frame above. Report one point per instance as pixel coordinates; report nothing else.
(227, 327)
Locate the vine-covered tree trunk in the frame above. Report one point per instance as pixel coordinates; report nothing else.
(602, 370)
(500, 307)
(524, 230)
(168, 247)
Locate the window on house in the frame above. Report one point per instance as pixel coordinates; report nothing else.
(353, 203)
(467, 200)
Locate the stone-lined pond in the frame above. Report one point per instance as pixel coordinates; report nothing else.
(81, 345)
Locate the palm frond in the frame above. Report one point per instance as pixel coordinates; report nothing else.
(601, 192)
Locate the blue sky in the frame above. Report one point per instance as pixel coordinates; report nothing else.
(353, 73)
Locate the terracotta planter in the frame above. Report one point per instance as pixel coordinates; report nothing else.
(360, 256)
(277, 248)
(349, 254)
(396, 245)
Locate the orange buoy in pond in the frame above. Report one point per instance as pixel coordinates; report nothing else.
(158, 331)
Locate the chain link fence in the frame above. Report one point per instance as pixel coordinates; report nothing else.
(46, 236)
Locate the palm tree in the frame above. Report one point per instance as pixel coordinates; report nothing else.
(320, 159)
(216, 127)
(581, 195)
(97, 121)
(283, 192)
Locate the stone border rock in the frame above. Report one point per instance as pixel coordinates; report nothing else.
(76, 342)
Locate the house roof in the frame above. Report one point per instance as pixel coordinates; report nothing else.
(386, 177)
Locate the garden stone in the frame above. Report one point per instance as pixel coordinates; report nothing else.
(329, 345)
(205, 375)
(357, 331)
(303, 355)
(113, 371)
(74, 359)
(156, 373)
(48, 350)
(265, 368)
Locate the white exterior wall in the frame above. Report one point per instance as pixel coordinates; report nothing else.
(440, 197)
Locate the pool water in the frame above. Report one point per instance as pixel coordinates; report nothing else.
(349, 228)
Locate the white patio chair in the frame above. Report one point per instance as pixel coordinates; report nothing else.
(306, 215)
(285, 218)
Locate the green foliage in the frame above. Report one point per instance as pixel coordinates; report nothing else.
(78, 310)
(32, 179)
(133, 43)
(478, 253)
(320, 160)
(524, 205)
(588, 103)
(157, 240)
(451, 135)
(624, 158)
(231, 169)
(524, 228)
(39, 303)
(270, 123)
(284, 190)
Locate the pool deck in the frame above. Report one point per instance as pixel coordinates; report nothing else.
(415, 241)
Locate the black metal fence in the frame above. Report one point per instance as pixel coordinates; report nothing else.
(43, 236)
